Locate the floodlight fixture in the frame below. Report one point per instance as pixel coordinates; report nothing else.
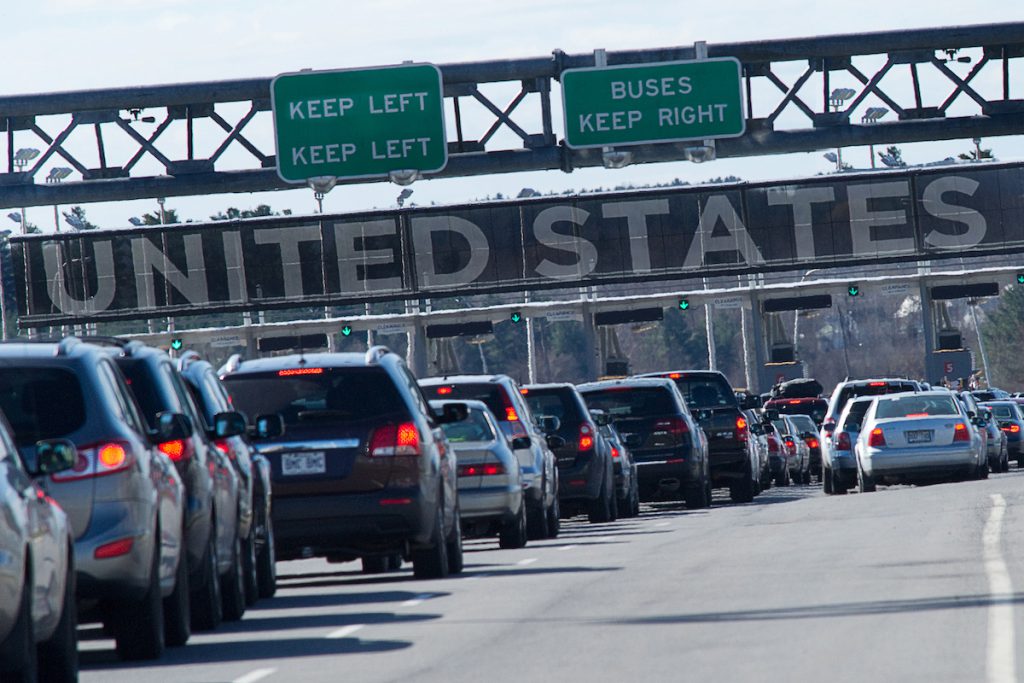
(405, 176)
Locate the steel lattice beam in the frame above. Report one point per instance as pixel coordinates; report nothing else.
(795, 117)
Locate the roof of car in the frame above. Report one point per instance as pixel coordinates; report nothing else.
(463, 379)
(663, 373)
(297, 360)
(628, 382)
(548, 386)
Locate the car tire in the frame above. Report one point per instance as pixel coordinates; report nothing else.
(537, 523)
(636, 498)
(233, 586)
(207, 607)
(600, 509)
(266, 564)
(513, 533)
(252, 581)
(865, 484)
(376, 564)
(139, 625)
(613, 504)
(432, 562)
(58, 656)
(698, 496)
(554, 519)
(826, 481)
(177, 608)
(453, 546)
(742, 490)
(838, 485)
(18, 660)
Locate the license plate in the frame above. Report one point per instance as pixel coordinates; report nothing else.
(313, 462)
(725, 435)
(919, 436)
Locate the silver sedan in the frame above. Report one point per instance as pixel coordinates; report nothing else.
(490, 483)
(920, 437)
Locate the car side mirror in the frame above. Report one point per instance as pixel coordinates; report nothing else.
(269, 426)
(521, 442)
(971, 414)
(548, 423)
(770, 415)
(55, 455)
(756, 428)
(451, 412)
(171, 427)
(978, 422)
(633, 440)
(229, 424)
(555, 442)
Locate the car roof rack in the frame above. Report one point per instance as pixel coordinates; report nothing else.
(233, 362)
(187, 358)
(128, 346)
(375, 353)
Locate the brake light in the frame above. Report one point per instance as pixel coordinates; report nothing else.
(876, 439)
(960, 432)
(524, 391)
(586, 438)
(224, 447)
(790, 444)
(773, 445)
(1012, 429)
(114, 549)
(812, 443)
(615, 453)
(511, 415)
(741, 429)
(917, 415)
(444, 391)
(843, 442)
(390, 440)
(486, 470)
(98, 460)
(794, 402)
(178, 450)
(876, 384)
(300, 371)
(675, 375)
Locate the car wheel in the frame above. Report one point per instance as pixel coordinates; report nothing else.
(252, 582)
(432, 562)
(266, 564)
(613, 504)
(636, 498)
(600, 509)
(376, 564)
(139, 626)
(58, 656)
(453, 545)
(554, 519)
(742, 490)
(865, 484)
(177, 612)
(513, 533)
(207, 608)
(838, 485)
(233, 586)
(698, 496)
(826, 481)
(18, 652)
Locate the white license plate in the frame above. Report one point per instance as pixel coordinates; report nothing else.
(920, 436)
(313, 462)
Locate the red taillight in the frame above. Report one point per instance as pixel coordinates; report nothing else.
(177, 450)
(794, 402)
(586, 437)
(876, 384)
(98, 460)
(511, 415)
(115, 549)
(773, 445)
(843, 442)
(812, 443)
(615, 453)
(960, 432)
(1012, 429)
(790, 445)
(741, 429)
(876, 439)
(224, 447)
(389, 440)
(444, 391)
(485, 470)
(300, 371)
(675, 375)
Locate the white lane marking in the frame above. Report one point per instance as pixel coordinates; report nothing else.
(419, 599)
(663, 524)
(529, 560)
(1001, 664)
(344, 631)
(253, 676)
(568, 547)
(476, 577)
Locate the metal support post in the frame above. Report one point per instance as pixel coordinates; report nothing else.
(757, 332)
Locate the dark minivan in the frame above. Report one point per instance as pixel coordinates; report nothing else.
(669, 447)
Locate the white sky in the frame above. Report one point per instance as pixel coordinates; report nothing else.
(59, 45)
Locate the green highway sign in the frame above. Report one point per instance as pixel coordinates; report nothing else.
(359, 123)
(649, 103)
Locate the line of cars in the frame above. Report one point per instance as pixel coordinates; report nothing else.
(133, 500)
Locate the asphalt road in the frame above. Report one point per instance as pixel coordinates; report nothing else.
(906, 584)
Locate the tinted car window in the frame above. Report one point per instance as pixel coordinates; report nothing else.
(813, 409)
(1003, 412)
(41, 403)
(474, 428)
(552, 404)
(916, 406)
(329, 394)
(632, 402)
(491, 395)
(804, 423)
(706, 392)
(147, 392)
(855, 417)
(851, 391)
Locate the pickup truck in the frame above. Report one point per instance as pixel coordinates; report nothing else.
(712, 401)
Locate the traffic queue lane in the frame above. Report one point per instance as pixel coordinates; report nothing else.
(903, 584)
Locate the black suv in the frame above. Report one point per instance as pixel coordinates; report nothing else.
(585, 477)
(360, 466)
(253, 469)
(669, 447)
(712, 400)
(211, 518)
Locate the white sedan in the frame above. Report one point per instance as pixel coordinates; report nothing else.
(915, 438)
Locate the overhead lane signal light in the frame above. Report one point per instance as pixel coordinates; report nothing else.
(346, 330)
(516, 317)
(1020, 278)
(684, 304)
(853, 290)
(177, 343)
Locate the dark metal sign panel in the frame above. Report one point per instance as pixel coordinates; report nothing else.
(830, 221)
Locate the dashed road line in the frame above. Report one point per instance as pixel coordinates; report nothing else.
(529, 560)
(1001, 663)
(344, 631)
(419, 599)
(253, 676)
(569, 547)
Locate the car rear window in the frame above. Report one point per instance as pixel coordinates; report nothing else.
(814, 409)
(474, 428)
(316, 394)
(1003, 412)
(492, 395)
(632, 401)
(41, 403)
(804, 423)
(146, 389)
(558, 403)
(855, 417)
(917, 406)
(705, 391)
(851, 391)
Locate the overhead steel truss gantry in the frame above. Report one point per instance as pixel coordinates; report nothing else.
(789, 88)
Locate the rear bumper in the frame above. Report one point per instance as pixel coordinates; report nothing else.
(728, 461)
(355, 523)
(127, 576)
(667, 472)
(917, 462)
(490, 502)
(581, 481)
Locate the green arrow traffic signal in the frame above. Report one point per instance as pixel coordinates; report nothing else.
(516, 316)
(347, 330)
(1020, 278)
(684, 304)
(853, 290)
(176, 344)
